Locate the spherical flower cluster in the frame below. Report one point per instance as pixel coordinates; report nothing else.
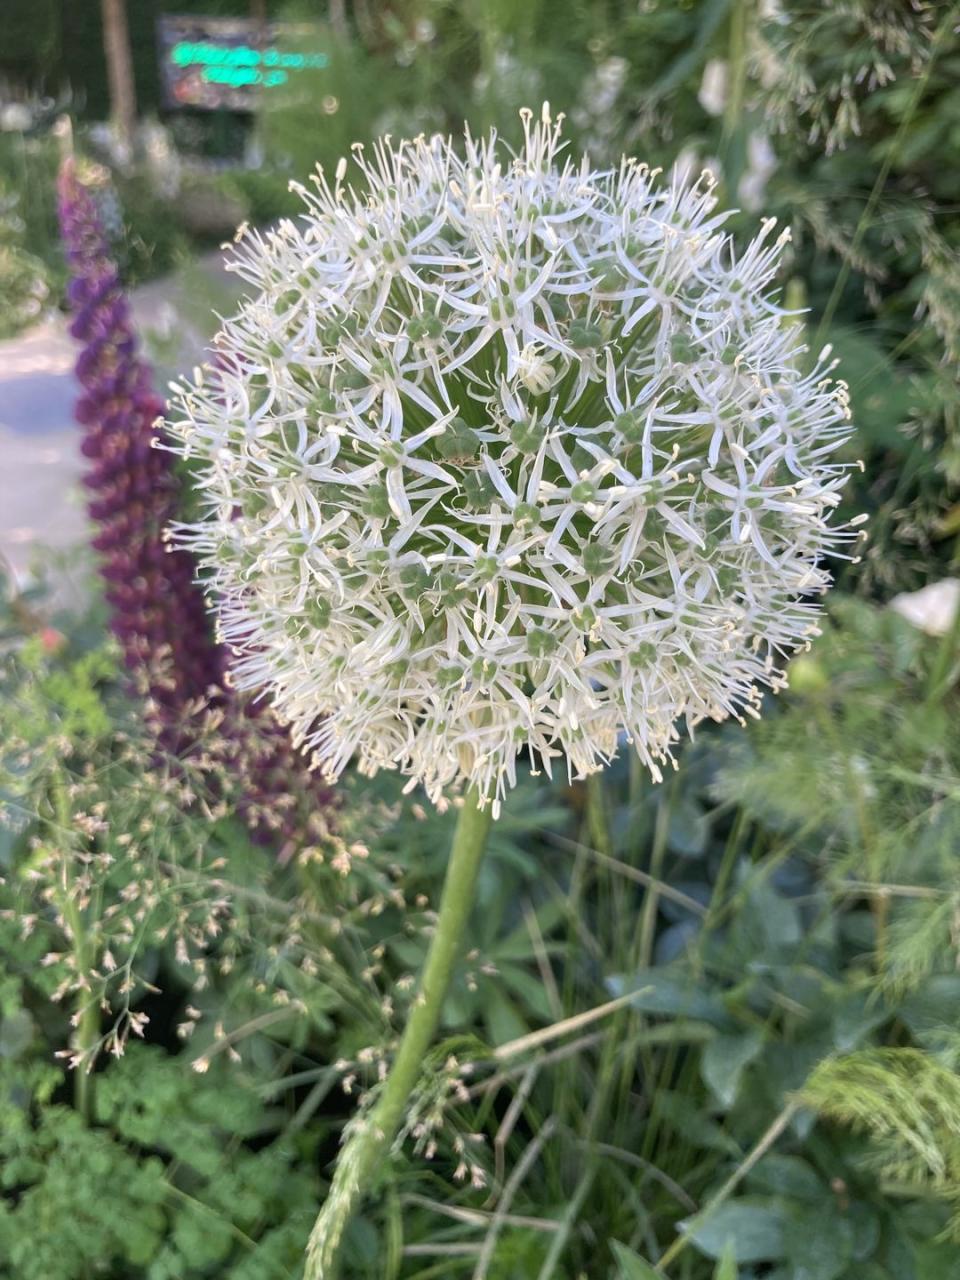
(509, 455)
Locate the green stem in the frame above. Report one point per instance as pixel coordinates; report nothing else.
(597, 822)
(87, 1030)
(366, 1149)
(651, 902)
(736, 71)
(598, 835)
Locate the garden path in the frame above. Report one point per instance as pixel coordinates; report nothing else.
(41, 502)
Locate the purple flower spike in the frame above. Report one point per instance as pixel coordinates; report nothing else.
(157, 609)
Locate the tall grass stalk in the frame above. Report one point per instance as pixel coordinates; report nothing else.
(779, 1126)
(86, 1019)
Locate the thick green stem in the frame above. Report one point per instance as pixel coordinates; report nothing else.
(366, 1149)
(736, 70)
(598, 823)
(733, 140)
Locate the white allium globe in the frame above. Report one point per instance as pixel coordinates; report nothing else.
(505, 454)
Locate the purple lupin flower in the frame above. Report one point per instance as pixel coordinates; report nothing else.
(157, 610)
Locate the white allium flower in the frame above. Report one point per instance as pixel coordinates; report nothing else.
(506, 455)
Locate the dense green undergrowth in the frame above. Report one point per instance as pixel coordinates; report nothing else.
(722, 1009)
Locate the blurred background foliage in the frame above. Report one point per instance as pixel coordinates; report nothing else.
(703, 1031)
(843, 121)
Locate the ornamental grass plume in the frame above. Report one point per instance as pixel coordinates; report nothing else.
(513, 457)
(157, 609)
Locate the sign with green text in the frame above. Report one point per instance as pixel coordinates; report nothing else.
(217, 64)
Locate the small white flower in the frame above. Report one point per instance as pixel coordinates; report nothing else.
(932, 608)
(504, 454)
(712, 94)
(761, 163)
(535, 371)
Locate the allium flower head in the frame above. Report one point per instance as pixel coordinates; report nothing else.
(508, 454)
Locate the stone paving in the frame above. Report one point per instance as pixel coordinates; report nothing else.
(41, 500)
(39, 462)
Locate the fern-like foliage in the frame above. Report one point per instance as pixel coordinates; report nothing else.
(862, 769)
(908, 1101)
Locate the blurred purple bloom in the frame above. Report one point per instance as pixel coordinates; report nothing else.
(157, 610)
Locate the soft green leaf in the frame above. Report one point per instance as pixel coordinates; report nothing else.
(788, 1176)
(16, 1033)
(753, 1227)
(689, 1119)
(670, 991)
(855, 1017)
(776, 918)
(935, 1004)
(688, 829)
(724, 1060)
(503, 1021)
(630, 1266)
(528, 989)
(865, 1221)
(818, 1243)
(881, 399)
(937, 1261)
(693, 54)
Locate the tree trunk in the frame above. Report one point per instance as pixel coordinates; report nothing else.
(338, 18)
(116, 46)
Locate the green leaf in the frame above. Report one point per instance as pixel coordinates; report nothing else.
(727, 1266)
(16, 1034)
(855, 1016)
(865, 1222)
(630, 1266)
(528, 989)
(691, 1121)
(818, 1243)
(724, 1060)
(933, 1005)
(789, 1176)
(937, 1261)
(775, 918)
(503, 1021)
(688, 829)
(752, 1227)
(670, 991)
